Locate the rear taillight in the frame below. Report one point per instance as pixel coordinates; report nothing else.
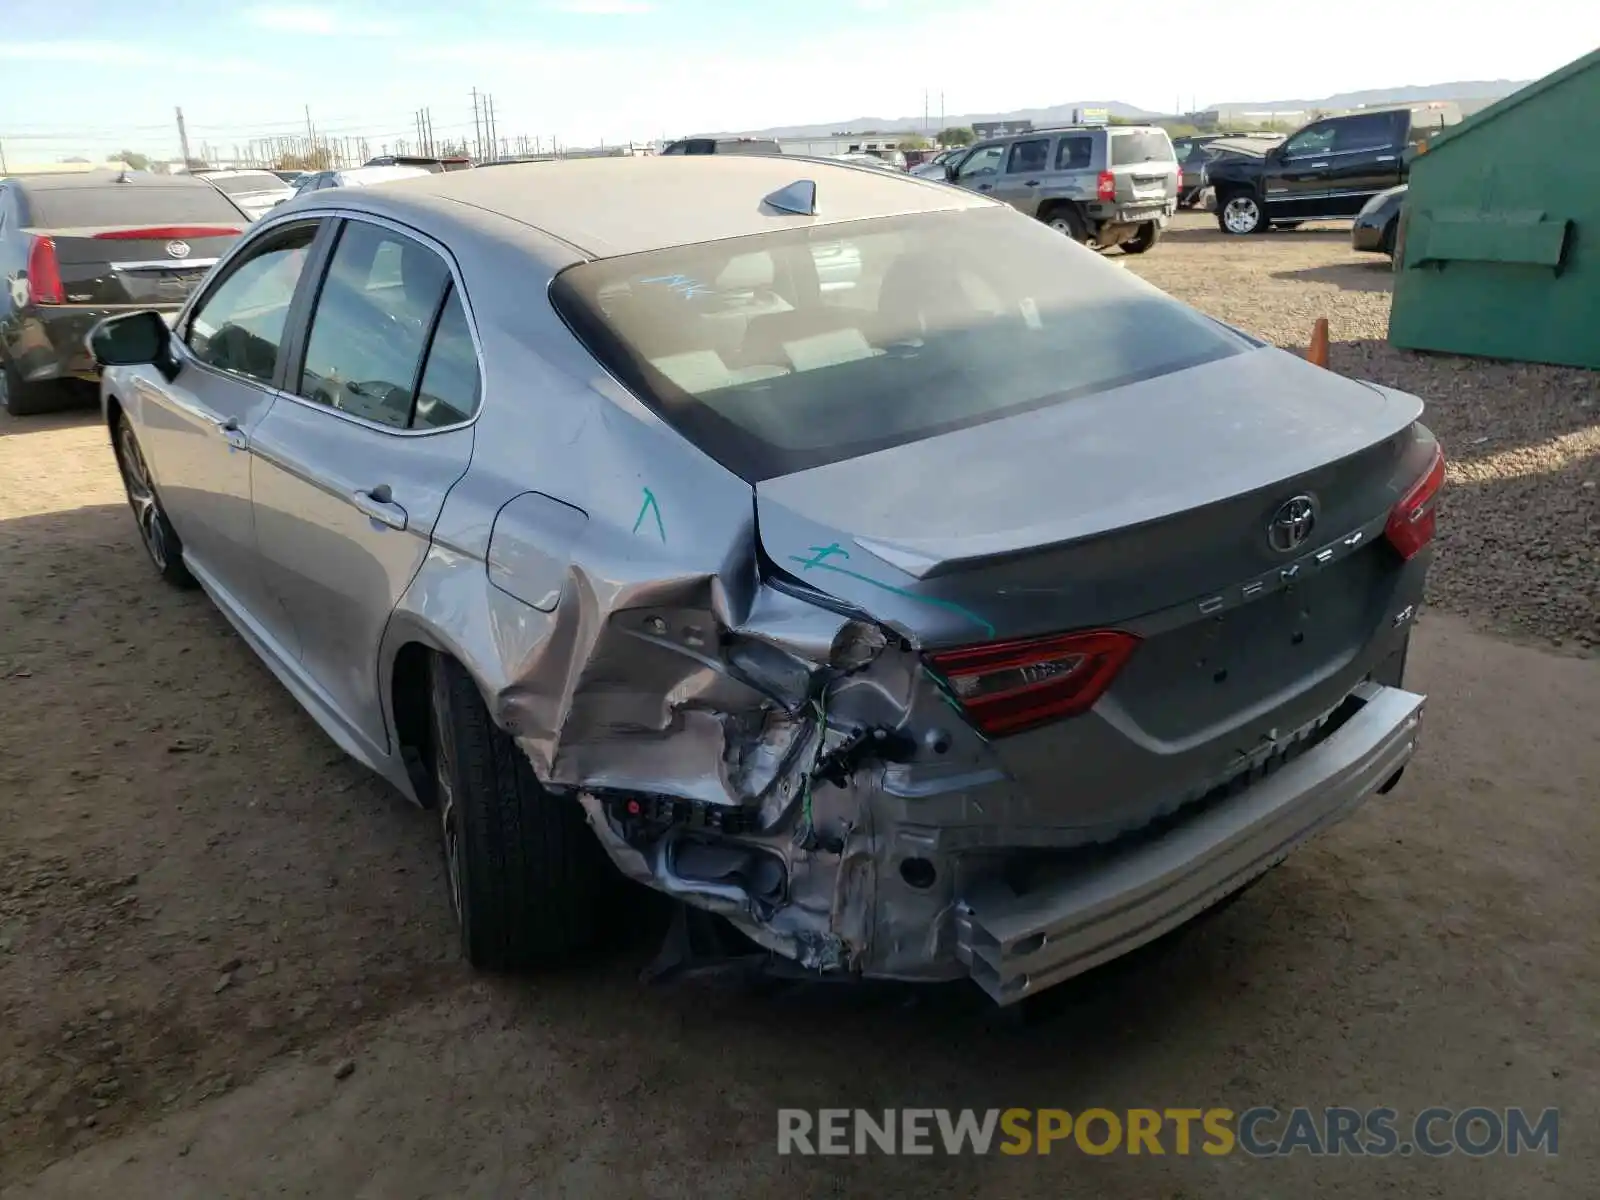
(44, 273)
(1412, 521)
(1006, 687)
(165, 233)
(1106, 186)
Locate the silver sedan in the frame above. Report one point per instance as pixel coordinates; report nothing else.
(901, 587)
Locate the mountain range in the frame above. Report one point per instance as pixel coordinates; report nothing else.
(1061, 113)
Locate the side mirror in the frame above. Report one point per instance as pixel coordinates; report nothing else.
(132, 340)
(950, 172)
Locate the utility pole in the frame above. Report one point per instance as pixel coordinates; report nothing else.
(427, 129)
(183, 139)
(477, 130)
(494, 132)
(311, 137)
(2, 158)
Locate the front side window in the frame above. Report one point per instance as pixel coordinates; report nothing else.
(371, 324)
(1031, 155)
(1313, 139)
(985, 160)
(238, 326)
(787, 350)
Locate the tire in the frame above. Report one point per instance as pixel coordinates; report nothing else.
(21, 399)
(161, 540)
(1240, 214)
(1067, 220)
(528, 879)
(1149, 234)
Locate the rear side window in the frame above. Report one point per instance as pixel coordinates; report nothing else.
(791, 349)
(371, 324)
(1031, 155)
(1074, 153)
(130, 204)
(449, 391)
(1373, 132)
(1140, 146)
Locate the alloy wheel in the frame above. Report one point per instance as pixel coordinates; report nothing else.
(142, 496)
(1241, 215)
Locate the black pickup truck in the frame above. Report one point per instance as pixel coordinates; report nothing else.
(1326, 171)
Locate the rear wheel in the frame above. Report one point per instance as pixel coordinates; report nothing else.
(528, 878)
(1149, 234)
(1239, 213)
(1066, 219)
(22, 399)
(160, 539)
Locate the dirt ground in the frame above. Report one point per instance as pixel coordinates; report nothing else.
(227, 968)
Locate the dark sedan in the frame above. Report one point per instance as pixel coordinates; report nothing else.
(1378, 223)
(76, 248)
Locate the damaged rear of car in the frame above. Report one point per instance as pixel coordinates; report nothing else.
(1039, 649)
(850, 557)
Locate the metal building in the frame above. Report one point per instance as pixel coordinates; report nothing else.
(1499, 250)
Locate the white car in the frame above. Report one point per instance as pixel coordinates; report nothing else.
(257, 192)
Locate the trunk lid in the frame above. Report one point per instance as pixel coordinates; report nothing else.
(156, 266)
(1145, 508)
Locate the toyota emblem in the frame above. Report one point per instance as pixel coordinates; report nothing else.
(178, 249)
(1292, 523)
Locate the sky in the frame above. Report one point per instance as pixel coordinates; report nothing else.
(586, 71)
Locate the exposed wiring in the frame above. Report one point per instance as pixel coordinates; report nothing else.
(804, 834)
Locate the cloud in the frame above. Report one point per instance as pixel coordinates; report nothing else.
(318, 22)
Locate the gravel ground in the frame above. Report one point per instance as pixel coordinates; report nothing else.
(1519, 540)
(227, 968)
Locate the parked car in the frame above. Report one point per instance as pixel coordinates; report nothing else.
(357, 177)
(1102, 185)
(984, 620)
(1326, 171)
(1377, 225)
(706, 145)
(75, 248)
(433, 164)
(933, 168)
(292, 178)
(1196, 150)
(257, 192)
(867, 160)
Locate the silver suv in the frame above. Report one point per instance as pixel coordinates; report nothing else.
(1105, 185)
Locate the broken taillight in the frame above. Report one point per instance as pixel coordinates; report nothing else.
(1413, 520)
(1105, 189)
(1006, 687)
(44, 273)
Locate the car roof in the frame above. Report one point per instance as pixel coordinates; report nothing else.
(380, 174)
(233, 173)
(100, 179)
(605, 207)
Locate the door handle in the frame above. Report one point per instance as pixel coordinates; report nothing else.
(1385, 158)
(1031, 183)
(378, 503)
(984, 187)
(229, 428)
(1315, 166)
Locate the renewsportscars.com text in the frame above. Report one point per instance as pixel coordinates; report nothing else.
(1259, 1132)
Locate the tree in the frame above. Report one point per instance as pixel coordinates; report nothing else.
(957, 135)
(134, 159)
(914, 142)
(318, 158)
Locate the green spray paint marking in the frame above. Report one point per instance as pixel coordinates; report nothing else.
(650, 506)
(820, 555)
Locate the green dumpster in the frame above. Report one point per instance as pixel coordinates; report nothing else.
(1500, 248)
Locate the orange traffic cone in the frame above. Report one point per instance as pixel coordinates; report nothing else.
(1317, 354)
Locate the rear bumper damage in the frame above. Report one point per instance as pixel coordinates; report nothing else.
(1017, 943)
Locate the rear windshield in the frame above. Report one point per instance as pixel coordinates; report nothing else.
(1142, 145)
(239, 185)
(129, 204)
(789, 350)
